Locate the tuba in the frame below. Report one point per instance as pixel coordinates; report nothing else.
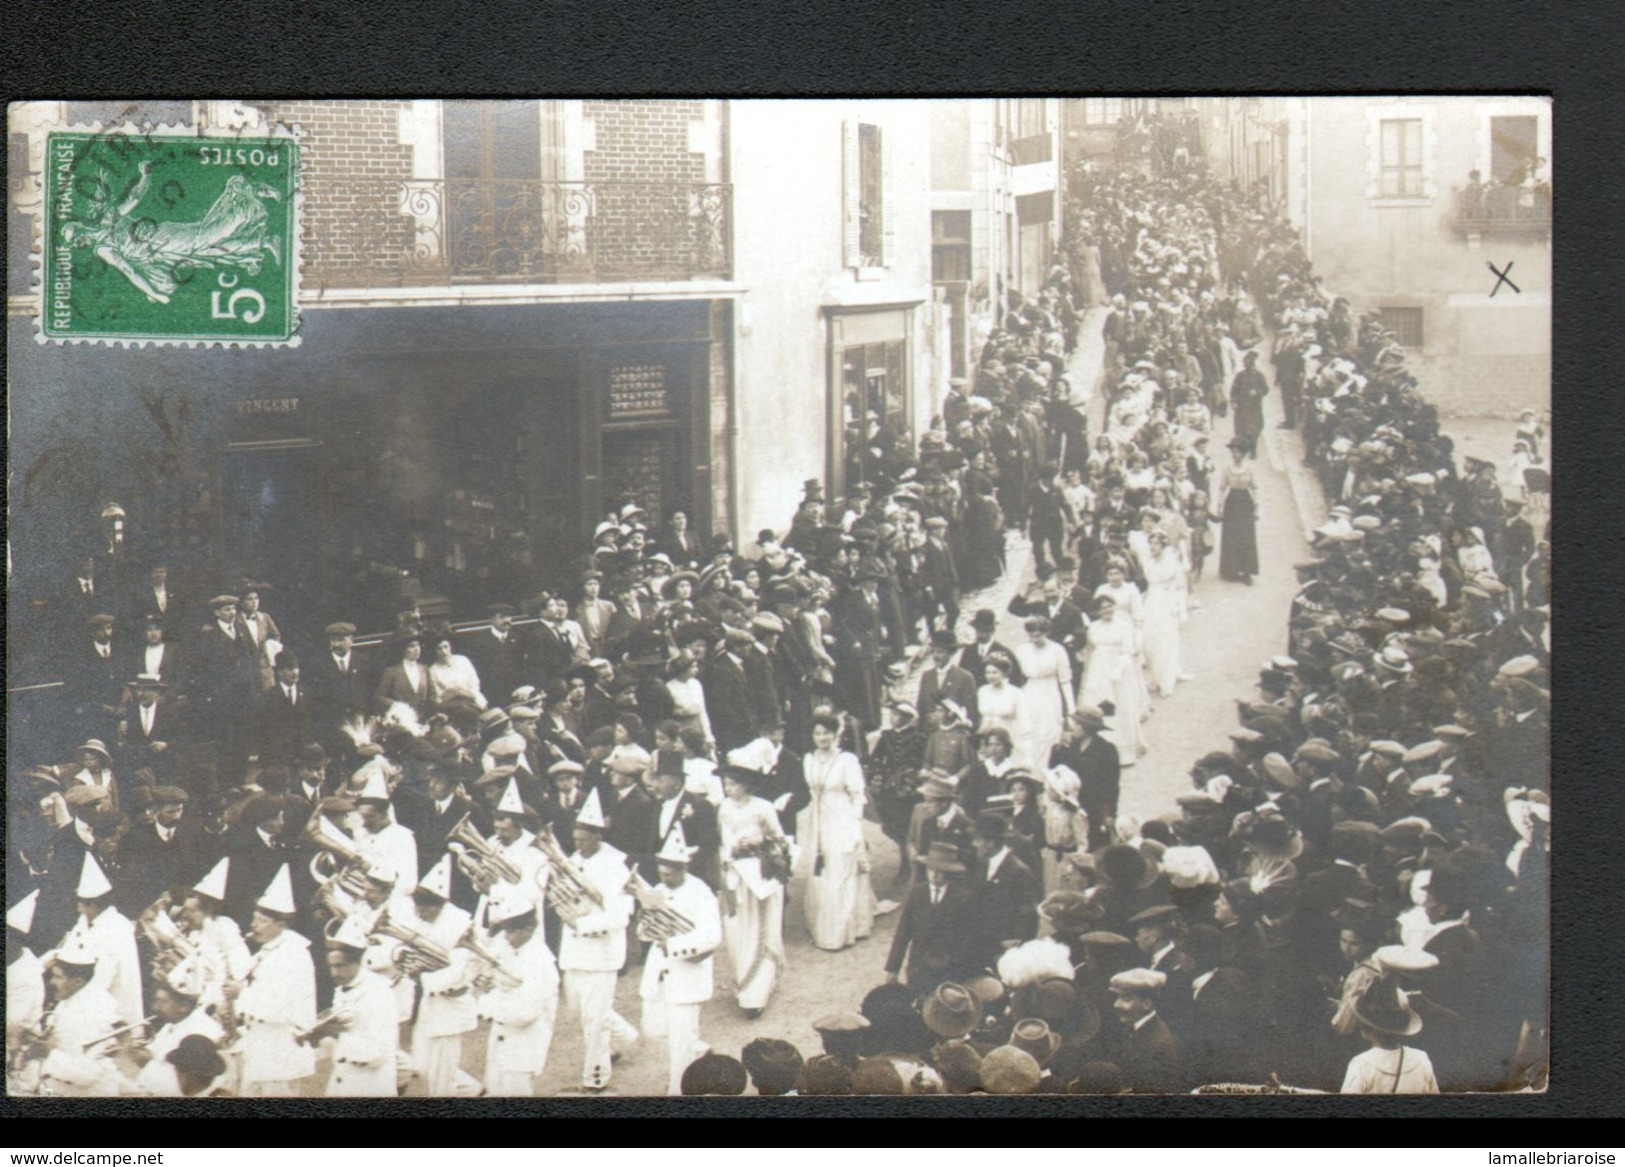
(657, 920)
(339, 867)
(169, 942)
(491, 963)
(571, 896)
(418, 952)
(478, 858)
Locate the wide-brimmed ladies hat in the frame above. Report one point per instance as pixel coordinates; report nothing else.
(1383, 1009)
(1125, 866)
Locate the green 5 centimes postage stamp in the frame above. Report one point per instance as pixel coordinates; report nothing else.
(167, 238)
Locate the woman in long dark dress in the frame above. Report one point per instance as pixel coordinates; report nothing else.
(1247, 394)
(984, 535)
(1238, 510)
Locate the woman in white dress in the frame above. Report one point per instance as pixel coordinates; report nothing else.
(1164, 612)
(840, 897)
(688, 695)
(999, 703)
(1048, 691)
(1112, 676)
(755, 864)
(451, 672)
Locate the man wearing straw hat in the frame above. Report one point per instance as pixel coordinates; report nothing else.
(276, 999)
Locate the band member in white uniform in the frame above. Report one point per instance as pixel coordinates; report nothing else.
(276, 999)
(76, 1061)
(25, 974)
(446, 1010)
(677, 979)
(360, 1032)
(111, 936)
(592, 949)
(521, 997)
(175, 1000)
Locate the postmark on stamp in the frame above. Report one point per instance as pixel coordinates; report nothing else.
(170, 237)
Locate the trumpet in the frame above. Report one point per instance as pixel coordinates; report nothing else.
(657, 920)
(478, 858)
(504, 976)
(119, 1031)
(168, 941)
(334, 1019)
(571, 896)
(418, 952)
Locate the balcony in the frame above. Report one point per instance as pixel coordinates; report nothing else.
(1503, 211)
(1032, 149)
(370, 233)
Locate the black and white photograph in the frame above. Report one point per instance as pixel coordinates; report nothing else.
(651, 597)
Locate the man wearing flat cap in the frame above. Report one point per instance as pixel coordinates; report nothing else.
(1148, 1056)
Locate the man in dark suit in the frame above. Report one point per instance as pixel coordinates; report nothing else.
(284, 715)
(1159, 934)
(225, 671)
(632, 816)
(155, 856)
(943, 678)
(1149, 1057)
(154, 597)
(1094, 760)
(1049, 519)
(255, 848)
(984, 624)
(938, 577)
(674, 805)
(1006, 893)
(97, 676)
(149, 731)
(498, 656)
(338, 678)
(1217, 1045)
(728, 693)
(931, 931)
(761, 662)
(311, 782)
(551, 653)
(80, 596)
(860, 638)
(431, 819)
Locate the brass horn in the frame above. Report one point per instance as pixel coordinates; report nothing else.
(490, 960)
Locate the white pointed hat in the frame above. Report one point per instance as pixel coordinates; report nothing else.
(92, 880)
(350, 934)
(511, 803)
(375, 787)
(676, 848)
(506, 903)
(213, 884)
(21, 914)
(438, 880)
(592, 812)
(278, 897)
(188, 978)
(75, 949)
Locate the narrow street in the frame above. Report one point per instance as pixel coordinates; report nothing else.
(1222, 649)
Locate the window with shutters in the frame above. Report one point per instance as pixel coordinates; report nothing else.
(869, 238)
(871, 198)
(950, 246)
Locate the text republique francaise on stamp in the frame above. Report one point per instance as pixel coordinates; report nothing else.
(170, 236)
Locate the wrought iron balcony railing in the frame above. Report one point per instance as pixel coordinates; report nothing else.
(394, 232)
(1504, 210)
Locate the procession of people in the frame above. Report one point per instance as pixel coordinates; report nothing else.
(481, 830)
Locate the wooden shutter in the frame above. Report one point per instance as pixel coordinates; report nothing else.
(888, 206)
(852, 195)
